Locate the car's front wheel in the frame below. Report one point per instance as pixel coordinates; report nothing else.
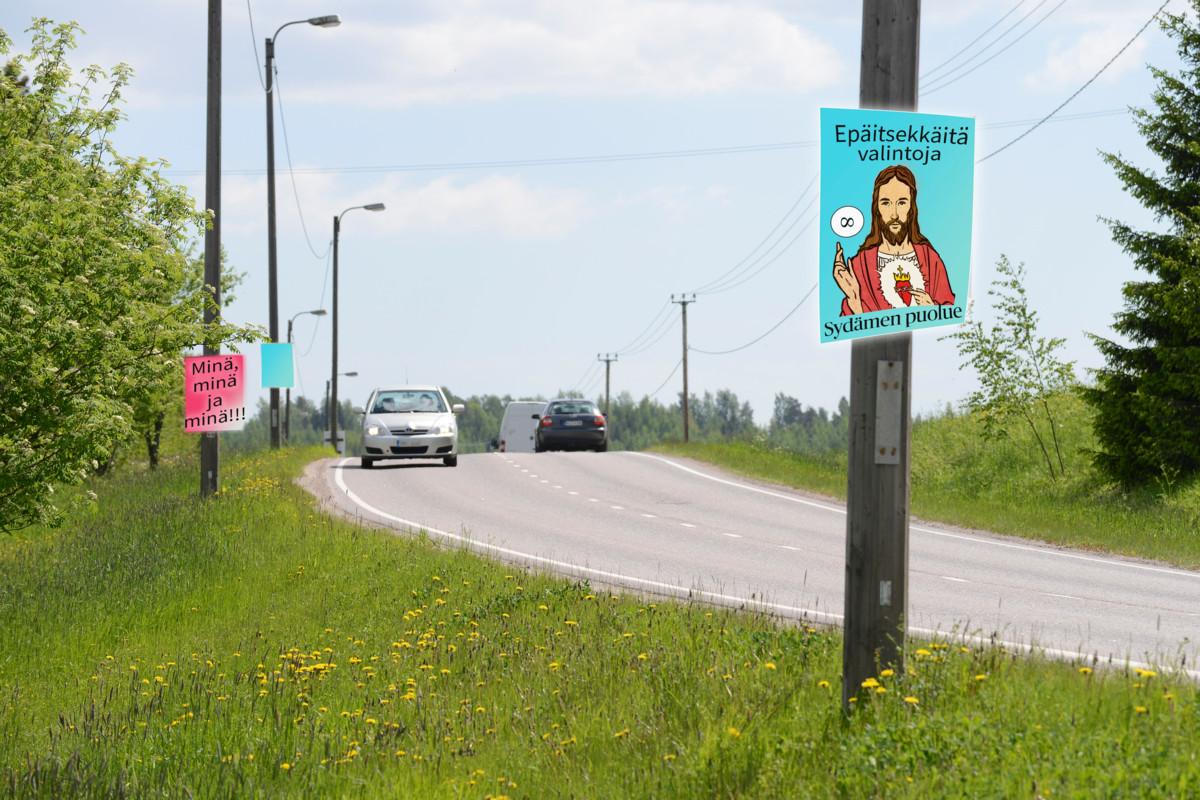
(450, 461)
(367, 463)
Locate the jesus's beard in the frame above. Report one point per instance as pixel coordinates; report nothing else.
(898, 238)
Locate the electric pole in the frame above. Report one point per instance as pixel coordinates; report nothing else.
(210, 444)
(683, 301)
(607, 358)
(876, 600)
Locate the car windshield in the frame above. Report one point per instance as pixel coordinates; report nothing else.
(406, 400)
(582, 407)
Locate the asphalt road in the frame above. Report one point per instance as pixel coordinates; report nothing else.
(675, 527)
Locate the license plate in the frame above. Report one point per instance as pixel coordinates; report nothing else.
(573, 423)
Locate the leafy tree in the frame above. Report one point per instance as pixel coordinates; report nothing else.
(92, 259)
(1018, 370)
(1147, 396)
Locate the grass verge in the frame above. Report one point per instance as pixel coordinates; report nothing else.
(960, 478)
(249, 646)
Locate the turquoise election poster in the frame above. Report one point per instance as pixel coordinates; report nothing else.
(885, 268)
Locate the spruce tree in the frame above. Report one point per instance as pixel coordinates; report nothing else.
(1147, 396)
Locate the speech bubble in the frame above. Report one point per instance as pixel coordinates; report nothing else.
(847, 221)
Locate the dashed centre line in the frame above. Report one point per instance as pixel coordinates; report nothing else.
(687, 524)
(573, 492)
(956, 580)
(732, 535)
(650, 516)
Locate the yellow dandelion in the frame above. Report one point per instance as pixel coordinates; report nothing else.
(870, 683)
(1139, 710)
(823, 684)
(643, 657)
(880, 690)
(921, 651)
(621, 734)
(1085, 670)
(887, 673)
(668, 757)
(912, 701)
(769, 665)
(734, 732)
(285, 766)
(1145, 673)
(981, 677)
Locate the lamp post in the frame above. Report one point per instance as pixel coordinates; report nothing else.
(287, 413)
(328, 408)
(327, 21)
(337, 229)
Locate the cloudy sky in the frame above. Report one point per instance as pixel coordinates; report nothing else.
(492, 271)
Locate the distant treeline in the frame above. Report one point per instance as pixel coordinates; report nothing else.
(633, 424)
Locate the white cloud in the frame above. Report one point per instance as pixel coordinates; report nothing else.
(495, 204)
(1071, 60)
(614, 48)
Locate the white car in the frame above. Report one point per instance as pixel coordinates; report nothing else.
(410, 422)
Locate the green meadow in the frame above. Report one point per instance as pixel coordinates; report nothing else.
(249, 646)
(1003, 485)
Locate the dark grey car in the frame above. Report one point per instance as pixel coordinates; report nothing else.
(568, 424)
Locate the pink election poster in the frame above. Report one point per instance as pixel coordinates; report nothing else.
(214, 393)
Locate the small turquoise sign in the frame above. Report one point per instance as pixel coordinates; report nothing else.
(277, 370)
(895, 244)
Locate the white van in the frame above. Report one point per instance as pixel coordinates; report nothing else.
(519, 424)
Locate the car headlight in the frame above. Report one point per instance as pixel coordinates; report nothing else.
(374, 430)
(442, 428)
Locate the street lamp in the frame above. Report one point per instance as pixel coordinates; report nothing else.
(329, 410)
(287, 414)
(327, 21)
(337, 229)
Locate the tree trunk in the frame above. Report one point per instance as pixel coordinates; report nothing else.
(153, 439)
(1041, 444)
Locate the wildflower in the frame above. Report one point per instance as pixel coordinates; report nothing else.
(769, 665)
(921, 651)
(912, 701)
(643, 657)
(1145, 673)
(621, 734)
(668, 757)
(570, 622)
(880, 690)
(734, 732)
(887, 673)
(981, 677)
(554, 665)
(1139, 710)
(823, 684)
(870, 683)
(285, 766)
(1085, 670)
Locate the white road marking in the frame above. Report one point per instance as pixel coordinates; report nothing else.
(956, 580)
(931, 531)
(687, 524)
(789, 547)
(1063, 596)
(686, 593)
(556, 486)
(617, 508)
(732, 535)
(593, 500)
(543, 480)
(649, 516)
(574, 493)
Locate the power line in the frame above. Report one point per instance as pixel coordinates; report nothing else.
(665, 327)
(969, 44)
(585, 376)
(748, 277)
(292, 173)
(1078, 91)
(451, 166)
(704, 288)
(254, 44)
(758, 339)
(638, 338)
(978, 53)
(999, 52)
(666, 379)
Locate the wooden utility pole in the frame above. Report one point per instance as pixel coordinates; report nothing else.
(607, 358)
(876, 603)
(683, 301)
(210, 444)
